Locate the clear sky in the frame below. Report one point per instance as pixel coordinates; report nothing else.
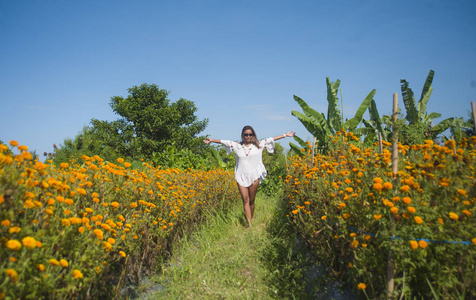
(240, 62)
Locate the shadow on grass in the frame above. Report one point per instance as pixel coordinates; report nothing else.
(294, 272)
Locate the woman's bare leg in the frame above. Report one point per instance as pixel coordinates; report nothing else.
(248, 194)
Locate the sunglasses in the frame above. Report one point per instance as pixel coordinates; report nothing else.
(248, 134)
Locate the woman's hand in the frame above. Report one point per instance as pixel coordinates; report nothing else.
(207, 140)
(290, 134)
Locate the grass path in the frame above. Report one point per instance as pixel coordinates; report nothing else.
(224, 260)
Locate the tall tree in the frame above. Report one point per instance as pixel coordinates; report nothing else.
(148, 123)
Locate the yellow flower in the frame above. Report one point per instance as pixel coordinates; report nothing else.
(13, 143)
(405, 188)
(111, 241)
(29, 242)
(361, 286)
(353, 234)
(108, 246)
(418, 220)
(454, 216)
(422, 244)
(323, 217)
(394, 210)
(354, 244)
(127, 165)
(12, 274)
(14, 229)
(120, 160)
(77, 274)
(122, 253)
(6, 223)
(467, 213)
(54, 262)
(98, 233)
(377, 217)
(388, 186)
(64, 263)
(81, 229)
(413, 245)
(407, 200)
(474, 241)
(40, 267)
(411, 209)
(14, 245)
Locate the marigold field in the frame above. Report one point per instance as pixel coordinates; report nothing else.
(359, 218)
(83, 231)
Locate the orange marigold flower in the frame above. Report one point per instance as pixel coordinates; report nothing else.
(388, 186)
(13, 143)
(361, 286)
(64, 263)
(394, 210)
(454, 216)
(122, 253)
(407, 200)
(14, 245)
(323, 217)
(378, 180)
(418, 220)
(127, 165)
(64, 165)
(40, 267)
(77, 274)
(467, 213)
(354, 244)
(474, 241)
(377, 186)
(411, 209)
(461, 192)
(29, 242)
(12, 274)
(377, 217)
(54, 262)
(405, 188)
(120, 160)
(422, 244)
(414, 245)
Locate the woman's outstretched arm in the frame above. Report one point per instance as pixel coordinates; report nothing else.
(210, 140)
(284, 135)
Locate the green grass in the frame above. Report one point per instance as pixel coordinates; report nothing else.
(224, 260)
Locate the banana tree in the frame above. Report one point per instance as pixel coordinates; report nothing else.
(417, 115)
(416, 112)
(374, 125)
(322, 128)
(455, 125)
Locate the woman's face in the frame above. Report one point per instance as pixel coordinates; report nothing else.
(248, 136)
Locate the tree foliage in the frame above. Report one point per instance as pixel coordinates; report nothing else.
(149, 122)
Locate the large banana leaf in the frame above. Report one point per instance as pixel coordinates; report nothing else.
(296, 149)
(454, 124)
(312, 127)
(409, 102)
(333, 112)
(429, 118)
(217, 157)
(427, 85)
(351, 124)
(422, 104)
(314, 117)
(375, 119)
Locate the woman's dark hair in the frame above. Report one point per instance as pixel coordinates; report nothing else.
(254, 138)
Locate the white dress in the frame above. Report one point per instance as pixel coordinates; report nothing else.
(249, 163)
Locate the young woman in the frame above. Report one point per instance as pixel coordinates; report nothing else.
(249, 169)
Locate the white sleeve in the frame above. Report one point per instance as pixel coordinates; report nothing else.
(269, 144)
(228, 146)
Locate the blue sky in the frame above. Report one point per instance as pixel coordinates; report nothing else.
(240, 62)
